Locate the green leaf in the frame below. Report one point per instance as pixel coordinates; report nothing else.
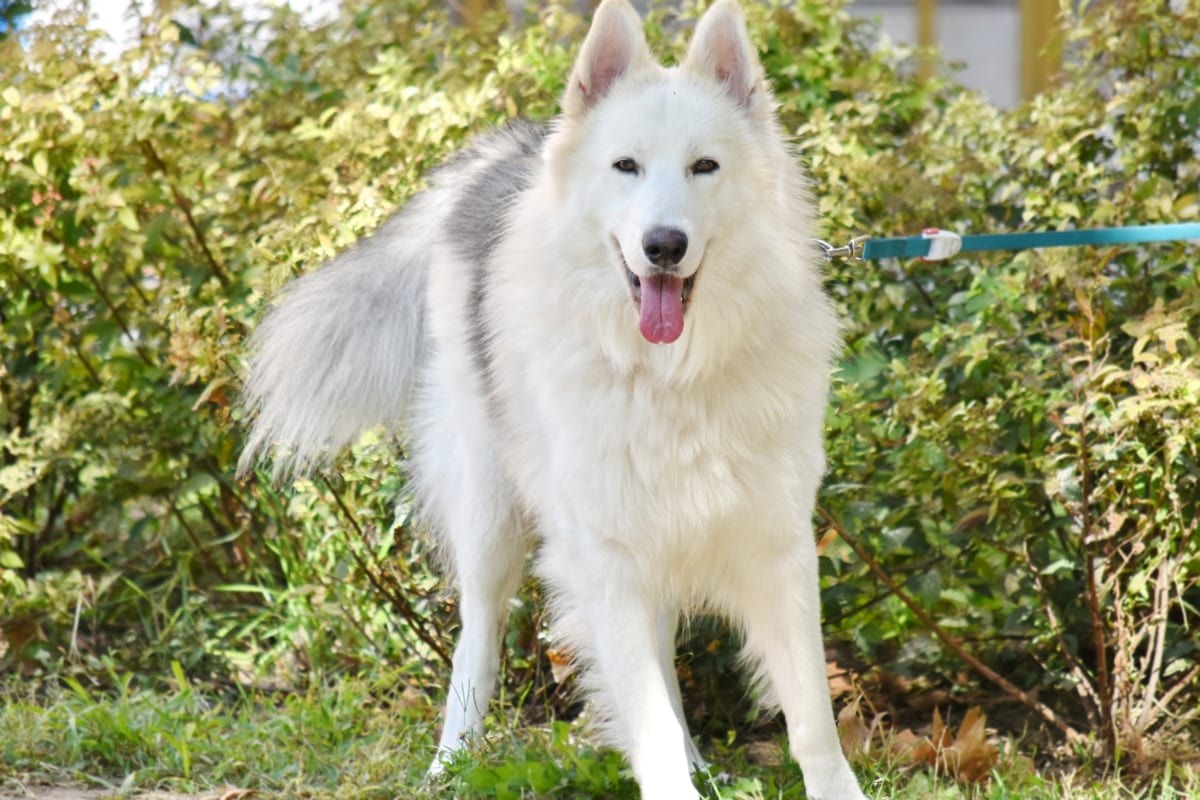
(128, 218)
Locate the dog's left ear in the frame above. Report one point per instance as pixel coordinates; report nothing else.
(721, 50)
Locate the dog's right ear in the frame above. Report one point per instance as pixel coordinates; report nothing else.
(614, 46)
(721, 50)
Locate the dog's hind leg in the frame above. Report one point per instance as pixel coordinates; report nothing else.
(465, 495)
(487, 571)
(488, 555)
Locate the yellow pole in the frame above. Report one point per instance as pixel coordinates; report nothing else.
(472, 11)
(926, 33)
(1041, 46)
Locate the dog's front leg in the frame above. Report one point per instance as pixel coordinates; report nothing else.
(615, 621)
(668, 624)
(779, 601)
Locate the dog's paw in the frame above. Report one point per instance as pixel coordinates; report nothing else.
(830, 778)
(851, 792)
(437, 768)
(837, 789)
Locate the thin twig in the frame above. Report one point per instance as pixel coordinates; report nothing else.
(1091, 593)
(1091, 548)
(397, 600)
(194, 538)
(117, 315)
(185, 205)
(87, 365)
(1084, 681)
(1162, 599)
(1184, 682)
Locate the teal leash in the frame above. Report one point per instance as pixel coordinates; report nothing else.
(935, 245)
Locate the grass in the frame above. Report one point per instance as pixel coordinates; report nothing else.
(342, 740)
(357, 739)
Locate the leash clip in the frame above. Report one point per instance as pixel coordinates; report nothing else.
(942, 244)
(852, 250)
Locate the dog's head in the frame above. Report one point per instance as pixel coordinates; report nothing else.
(660, 157)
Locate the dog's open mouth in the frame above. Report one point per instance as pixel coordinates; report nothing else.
(661, 300)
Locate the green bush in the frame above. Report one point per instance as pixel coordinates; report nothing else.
(1016, 434)
(1013, 437)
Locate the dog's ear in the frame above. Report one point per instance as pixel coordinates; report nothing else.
(721, 50)
(615, 46)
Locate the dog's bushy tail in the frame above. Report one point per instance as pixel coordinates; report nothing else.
(339, 352)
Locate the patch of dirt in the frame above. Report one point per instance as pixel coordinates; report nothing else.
(72, 793)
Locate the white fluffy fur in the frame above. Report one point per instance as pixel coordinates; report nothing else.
(657, 480)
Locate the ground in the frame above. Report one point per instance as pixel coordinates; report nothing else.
(63, 793)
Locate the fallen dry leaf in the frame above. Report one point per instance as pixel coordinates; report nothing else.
(893, 685)
(971, 757)
(840, 679)
(562, 666)
(238, 794)
(766, 753)
(852, 729)
(913, 750)
(940, 735)
(858, 725)
(966, 756)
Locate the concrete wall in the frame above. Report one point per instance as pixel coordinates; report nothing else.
(983, 37)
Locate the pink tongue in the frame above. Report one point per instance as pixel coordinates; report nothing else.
(662, 308)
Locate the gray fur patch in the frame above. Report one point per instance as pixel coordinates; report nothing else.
(480, 217)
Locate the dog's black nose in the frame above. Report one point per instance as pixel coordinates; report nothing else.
(664, 247)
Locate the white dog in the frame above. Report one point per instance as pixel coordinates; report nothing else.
(608, 343)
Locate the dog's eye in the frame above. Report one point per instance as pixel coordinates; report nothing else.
(704, 166)
(626, 165)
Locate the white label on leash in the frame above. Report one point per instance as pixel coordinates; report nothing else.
(942, 244)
